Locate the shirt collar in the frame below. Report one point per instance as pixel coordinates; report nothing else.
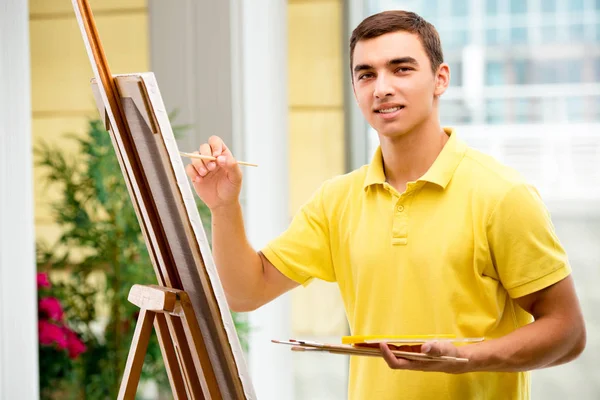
(439, 173)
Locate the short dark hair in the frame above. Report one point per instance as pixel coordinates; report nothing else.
(398, 20)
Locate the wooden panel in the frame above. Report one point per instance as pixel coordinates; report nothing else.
(315, 53)
(61, 71)
(316, 151)
(53, 7)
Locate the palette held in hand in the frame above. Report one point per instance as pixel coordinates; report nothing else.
(407, 347)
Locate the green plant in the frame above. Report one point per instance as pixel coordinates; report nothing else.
(102, 253)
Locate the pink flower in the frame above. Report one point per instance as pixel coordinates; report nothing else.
(74, 344)
(51, 307)
(42, 280)
(50, 333)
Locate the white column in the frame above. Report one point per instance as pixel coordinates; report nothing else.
(359, 143)
(264, 122)
(473, 63)
(190, 54)
(18, 305)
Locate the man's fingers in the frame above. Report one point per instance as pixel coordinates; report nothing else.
(391, 360)
(192, 173)
(431, 348)
(227, 162)
(388, 356)
(439, 349)
(224, 159)
(203, 166)
(216, 145)
(199, 166)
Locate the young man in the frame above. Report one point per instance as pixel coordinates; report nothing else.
(431, 238)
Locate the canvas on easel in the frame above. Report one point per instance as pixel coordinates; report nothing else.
(187, 308)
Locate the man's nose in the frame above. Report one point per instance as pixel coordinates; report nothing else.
(383, 86)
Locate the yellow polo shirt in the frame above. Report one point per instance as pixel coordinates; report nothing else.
(447, 256)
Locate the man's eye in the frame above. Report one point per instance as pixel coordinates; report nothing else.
(404, 69)
(364, 76)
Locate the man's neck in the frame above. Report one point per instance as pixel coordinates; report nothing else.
(409, 157)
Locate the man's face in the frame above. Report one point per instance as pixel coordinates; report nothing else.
(393, 82)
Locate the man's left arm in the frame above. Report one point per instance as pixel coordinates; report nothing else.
(555, 337)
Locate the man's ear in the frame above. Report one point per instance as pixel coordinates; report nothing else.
(442, 79)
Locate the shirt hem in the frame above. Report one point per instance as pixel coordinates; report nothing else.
(557, 275)
(284, 269)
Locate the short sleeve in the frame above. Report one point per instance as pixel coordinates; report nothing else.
(525, 249)
(302, 252)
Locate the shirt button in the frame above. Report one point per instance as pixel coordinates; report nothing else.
(400, 208)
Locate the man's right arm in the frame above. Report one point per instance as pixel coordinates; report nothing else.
(248, 278)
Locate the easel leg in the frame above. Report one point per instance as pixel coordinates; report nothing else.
(186, 360)
(137, 353)
(198, 347)
(170, 358)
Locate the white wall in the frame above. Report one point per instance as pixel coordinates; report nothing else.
(262, 41)
(18, 305)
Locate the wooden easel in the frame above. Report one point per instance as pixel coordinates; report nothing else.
(162, 307)
(188, 309)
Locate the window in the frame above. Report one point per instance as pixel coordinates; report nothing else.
(520, 72)
(454, 112)
(518, 35)
(575, 109)
(494, 111)
(459, 8)
(430, 9)
(548, 34)
(575, 5)
(518, 7)
(491, 7)
(573, 71)
(522, 110)
(455, 73)
(495, 75)
(454, 38)
(547, 72)
(492, 36)
(577, 32)
(550, 5)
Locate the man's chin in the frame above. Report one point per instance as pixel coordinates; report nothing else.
(393, 132)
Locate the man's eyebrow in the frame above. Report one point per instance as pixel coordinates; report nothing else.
(395, 61)
(403, 60)
(362, 67)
